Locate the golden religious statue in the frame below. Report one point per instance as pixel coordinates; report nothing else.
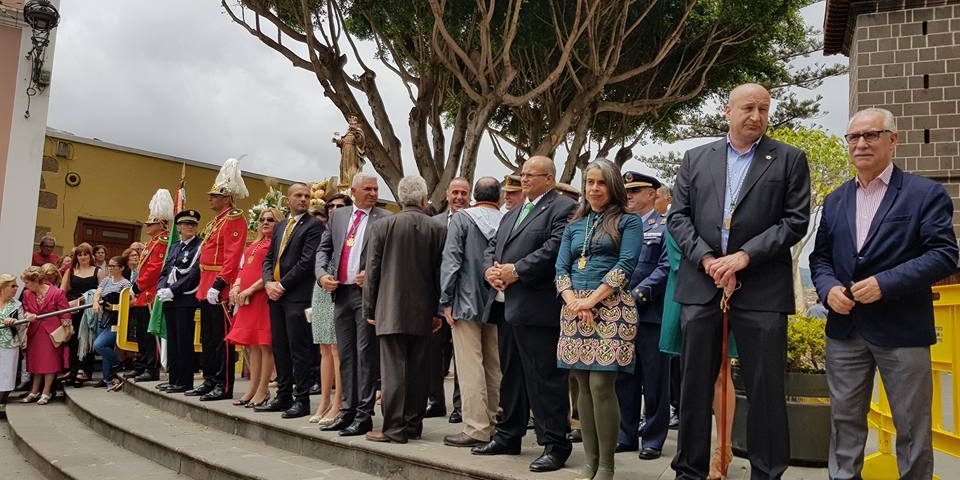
(351, 146)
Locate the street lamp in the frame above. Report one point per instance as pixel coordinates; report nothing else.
(42, 17)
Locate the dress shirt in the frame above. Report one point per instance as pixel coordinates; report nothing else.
(500, 296)
(869, 197)
(353, 263)
(737, 166)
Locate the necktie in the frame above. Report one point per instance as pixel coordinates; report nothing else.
(348, 246)
(523, 214)
(283, 246)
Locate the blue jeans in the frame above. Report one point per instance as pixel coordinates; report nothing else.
(104, 345)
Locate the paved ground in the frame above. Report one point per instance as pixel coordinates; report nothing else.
(14, 465)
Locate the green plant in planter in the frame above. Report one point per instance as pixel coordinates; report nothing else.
(806, 344)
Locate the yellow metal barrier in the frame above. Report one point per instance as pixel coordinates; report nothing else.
(945, 362)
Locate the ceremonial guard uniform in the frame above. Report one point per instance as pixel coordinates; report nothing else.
(146, 365)
(177, 290)
(219, 264)
(651, 377)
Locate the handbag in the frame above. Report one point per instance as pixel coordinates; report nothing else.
(61, 335)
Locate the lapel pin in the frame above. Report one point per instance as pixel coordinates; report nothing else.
(769, 157)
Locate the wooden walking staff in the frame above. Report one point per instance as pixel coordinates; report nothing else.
(725, 308)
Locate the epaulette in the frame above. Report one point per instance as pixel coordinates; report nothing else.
(234, 214)
(164, 237)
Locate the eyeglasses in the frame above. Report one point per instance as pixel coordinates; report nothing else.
(268, 220)
(532, 175)
(870, 136)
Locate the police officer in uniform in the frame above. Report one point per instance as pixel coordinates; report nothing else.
(220, 253)
(647, 285)
(146, 365)
(177, 290)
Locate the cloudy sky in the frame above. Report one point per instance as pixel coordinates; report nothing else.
(179, 77)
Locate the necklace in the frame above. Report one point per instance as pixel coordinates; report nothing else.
(587, 237)
(253, 253)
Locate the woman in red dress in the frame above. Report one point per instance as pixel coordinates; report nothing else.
(44, 360)
(251, 321)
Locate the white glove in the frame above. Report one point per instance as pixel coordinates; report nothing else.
(165, 294)
(213, 296)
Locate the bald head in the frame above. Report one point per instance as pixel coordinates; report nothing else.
(537, 176)
(747, 111)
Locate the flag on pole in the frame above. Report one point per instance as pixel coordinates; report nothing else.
(157, 325)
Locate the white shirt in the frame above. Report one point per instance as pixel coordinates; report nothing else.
(353, 263)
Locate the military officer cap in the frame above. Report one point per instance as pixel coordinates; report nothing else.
(633, 179)
(511, 183)
(188, 216)
(568, 190)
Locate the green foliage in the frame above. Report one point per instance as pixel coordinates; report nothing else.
(827, 156)
(806, 344)
(273, 198)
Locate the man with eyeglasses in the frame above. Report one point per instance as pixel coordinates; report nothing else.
(885, 237)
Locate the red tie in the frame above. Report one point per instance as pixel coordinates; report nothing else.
(347, 246)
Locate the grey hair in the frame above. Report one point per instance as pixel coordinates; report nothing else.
(889, 121)
(359, 178)
(412, 190)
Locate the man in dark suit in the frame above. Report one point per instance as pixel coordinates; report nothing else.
(177, 290)
(520, 266)
(400, 297)
(645, 393)
(288, 281)
(884, 238)
(739, 204)
(339, 270)
(458, 198)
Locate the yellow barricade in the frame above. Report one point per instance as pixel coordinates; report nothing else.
(945, 361)
(123, 323)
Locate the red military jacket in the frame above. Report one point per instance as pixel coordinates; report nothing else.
(220, 252)
(151, 263)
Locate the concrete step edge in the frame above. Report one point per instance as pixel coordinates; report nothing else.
(43, 455)
(356, 457)
(149, 445)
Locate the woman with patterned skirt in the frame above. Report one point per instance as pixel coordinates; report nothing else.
(599, 318)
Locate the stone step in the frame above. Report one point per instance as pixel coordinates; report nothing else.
(189, 448)
(60, 447)
(14, 463)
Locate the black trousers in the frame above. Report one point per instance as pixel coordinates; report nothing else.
(532, 381)
(180, 356)
(218, 358)
(761, 344)
(292, 347)
(675, 374)
(359, 349)
(646, 391)
(147, 360)
(438, 364)
(76, 363)
(403, 361)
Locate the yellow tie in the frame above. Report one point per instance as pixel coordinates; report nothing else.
(283, 246)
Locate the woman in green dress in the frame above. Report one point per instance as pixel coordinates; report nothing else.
(598, 322)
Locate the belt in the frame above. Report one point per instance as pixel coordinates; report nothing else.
(211, 268)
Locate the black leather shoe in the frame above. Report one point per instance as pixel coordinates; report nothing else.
(176, 389)
(276, 405)
(315, 389)
(455, 417)
(625, 448)
(434, 411)
(146, 377)
(299, 409)
(547, 462)
(494, 448)
(342, 421)
(649, 454)
(203, 389)
(575, 436)
(357, 428)
(132, 374)
(216, 394)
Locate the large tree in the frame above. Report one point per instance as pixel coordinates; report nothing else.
(533, 76)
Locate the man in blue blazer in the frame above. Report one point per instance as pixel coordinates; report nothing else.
(884, 238)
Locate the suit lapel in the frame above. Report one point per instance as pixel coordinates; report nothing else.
(718, 171)
(889, 197)
(762, 158)
(850, 211)
(539, 208)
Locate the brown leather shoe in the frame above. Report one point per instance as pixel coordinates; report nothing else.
(377, 436)
(461, 440)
